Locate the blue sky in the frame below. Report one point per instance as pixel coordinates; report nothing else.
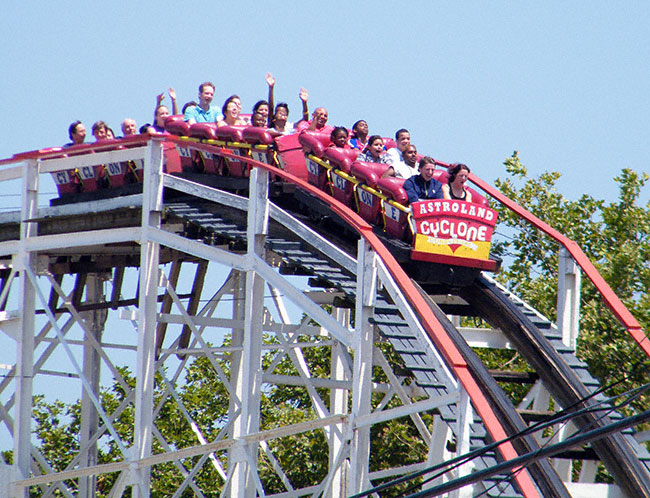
(564, 83)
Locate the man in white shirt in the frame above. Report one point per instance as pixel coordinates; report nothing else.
(394, 155)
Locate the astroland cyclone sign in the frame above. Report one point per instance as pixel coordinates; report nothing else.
(453, 228)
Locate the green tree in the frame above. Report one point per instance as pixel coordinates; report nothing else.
(615, 236)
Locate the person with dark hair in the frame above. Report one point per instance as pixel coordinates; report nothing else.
(187, 105)
(359, 138)
(280, 121)
(339, 137)
(129, 127)
(402, 139)
(303, 94)
(424, 185)
(262, 107)
(258, 120)
(162, 112)
(146, 128)
(99, 131)
(455, 187)
(406, 166)
(374, 151)
(204, 112)
(230, 110)
(77, 133)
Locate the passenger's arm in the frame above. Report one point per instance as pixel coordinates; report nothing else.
(445, 191)
(409, 188)
(304, 96)
(270, 80)
(172, 96)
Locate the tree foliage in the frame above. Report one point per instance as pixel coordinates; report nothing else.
(615, 236)
(303, 457)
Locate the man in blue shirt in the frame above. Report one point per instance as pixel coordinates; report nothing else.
(424, 186)
(204, 112)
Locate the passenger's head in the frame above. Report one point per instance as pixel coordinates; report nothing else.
(360, 128)
(162, 111)
(109, 133)
(261, 106)
(410, 155)
(375, 145)
(281, 115)
(191, 103)
(206, 94)
(458, 174)
(339, 136)
(147, 128)
(99, 130)
(320, 117)
(77, 132)
(258, 120)
(402, 138)
(231, 108)
(427, 166)
(129, 127)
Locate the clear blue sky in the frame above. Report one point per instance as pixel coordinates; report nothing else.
(565, 83)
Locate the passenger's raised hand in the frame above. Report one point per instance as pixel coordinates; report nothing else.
(270, 80)
(304, 95)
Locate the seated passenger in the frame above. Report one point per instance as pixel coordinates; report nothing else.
(172, 95)
(303, 94)
(406, 165)
(455, 188)
(162, 111)
(109, 133)
(258, 120)
(374, 152)
(77, 133)
(280, 121)
(230, 110)
(423, 186)
(204, 112)
(339, 138)
(261, 107)
(187, 105)
(317, 123)
(159, 118)
(402, 139)
(129, 127)
(99, 131)
(146, 128)
(359, 138)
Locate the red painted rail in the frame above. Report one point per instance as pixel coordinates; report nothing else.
(609, 297)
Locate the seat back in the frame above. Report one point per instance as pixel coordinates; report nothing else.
(234, 137)
(176, 125)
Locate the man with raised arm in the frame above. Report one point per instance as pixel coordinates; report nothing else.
(204, 112)
(424, 186)
(318, 122)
